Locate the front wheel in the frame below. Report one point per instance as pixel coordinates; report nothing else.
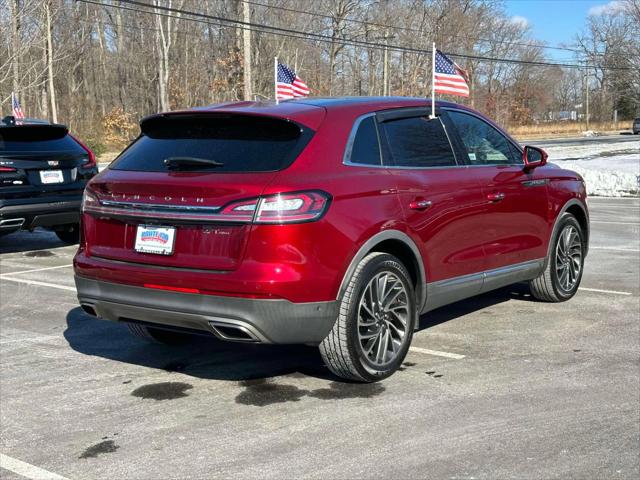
(561, 278)
(373, 331)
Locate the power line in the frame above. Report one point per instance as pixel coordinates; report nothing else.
(396, 27)
(286, 32)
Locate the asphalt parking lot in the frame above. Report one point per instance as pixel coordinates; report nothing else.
(499, 386)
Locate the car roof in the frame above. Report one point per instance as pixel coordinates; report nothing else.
(307, 110)
(374, 102)
(328, 103)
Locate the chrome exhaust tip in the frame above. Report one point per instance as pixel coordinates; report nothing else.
(232, 332)
(12, 223)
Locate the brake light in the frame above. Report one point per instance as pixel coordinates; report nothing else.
(7, 169)
(293, 207)
(89, 201)
(91, 161)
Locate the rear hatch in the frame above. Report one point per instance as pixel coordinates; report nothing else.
(173, 183)
(38, 160)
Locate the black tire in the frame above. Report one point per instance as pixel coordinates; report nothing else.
(342, 350)
(70, 234)
(548, 286)
(158, 335)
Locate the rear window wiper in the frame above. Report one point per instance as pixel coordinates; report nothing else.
(173, 162)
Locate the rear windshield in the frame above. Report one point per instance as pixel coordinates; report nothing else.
(236, 143)
(37, 138)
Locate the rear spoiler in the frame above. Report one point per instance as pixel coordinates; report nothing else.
(33, 132)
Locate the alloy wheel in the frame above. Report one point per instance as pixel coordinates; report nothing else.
(383, 314)
(568, 258)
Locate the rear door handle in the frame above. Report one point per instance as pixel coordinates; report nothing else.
(495, 197)
(420, 204)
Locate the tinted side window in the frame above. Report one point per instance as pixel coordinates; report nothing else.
(365, 149)
(419, 142)
(483, 143)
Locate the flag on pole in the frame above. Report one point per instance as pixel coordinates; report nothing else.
(448, 77)
(15, 105)
(288, 84)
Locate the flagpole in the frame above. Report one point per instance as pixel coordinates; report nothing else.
(275, 78)
(433, 80)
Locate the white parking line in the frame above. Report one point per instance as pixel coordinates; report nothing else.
(35, 270)
(615, 223)
(27, 470)
(598, 290)
(437, 353)
(619, 205)
(615, 249)
(631, 199)
(35, 282)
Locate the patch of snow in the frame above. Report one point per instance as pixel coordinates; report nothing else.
(608, 169)
(590, 133)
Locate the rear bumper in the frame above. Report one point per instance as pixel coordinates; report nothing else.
(264, 321)
(47, 212)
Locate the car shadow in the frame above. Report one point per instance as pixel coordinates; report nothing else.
(203, 356)
(25, 241)
(518, 291)
(208, 358)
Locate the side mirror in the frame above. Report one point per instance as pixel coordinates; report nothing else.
(533, 157)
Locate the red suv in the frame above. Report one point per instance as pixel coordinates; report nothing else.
(333, 222)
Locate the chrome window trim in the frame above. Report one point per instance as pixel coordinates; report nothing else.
(346, 158)
(508, 139)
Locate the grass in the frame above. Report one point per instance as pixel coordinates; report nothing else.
(566, 128)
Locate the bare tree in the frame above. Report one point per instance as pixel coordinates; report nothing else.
(99, 66)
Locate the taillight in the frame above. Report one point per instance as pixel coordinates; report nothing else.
(290, 207)
(91, 161)
(293, 207)
(89, 201)
(7, 169)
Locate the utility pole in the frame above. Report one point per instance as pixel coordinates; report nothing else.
(385, 66)
(246, 45)
(52, 91)
(586, 85)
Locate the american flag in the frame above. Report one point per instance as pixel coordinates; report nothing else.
(449, 77)
(15, 105)
(288, 84)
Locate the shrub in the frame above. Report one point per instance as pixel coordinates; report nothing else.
(119, 128)
(96, 146)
